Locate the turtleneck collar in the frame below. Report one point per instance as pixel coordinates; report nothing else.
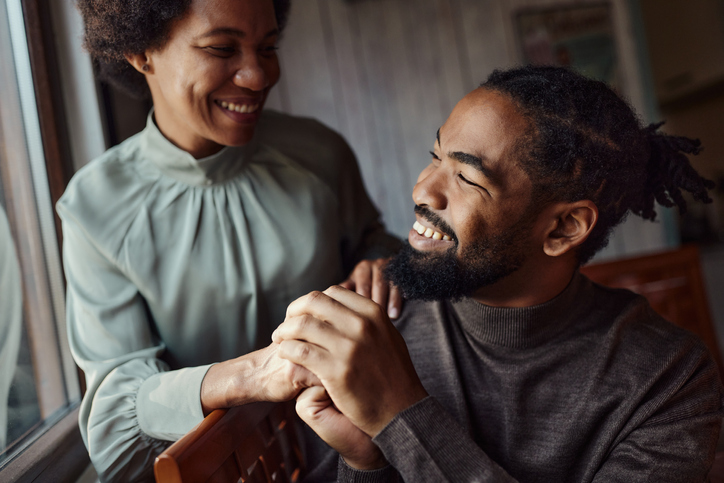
(524, 327)
(182, 166)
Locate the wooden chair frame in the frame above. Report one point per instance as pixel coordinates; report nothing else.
(256, 443)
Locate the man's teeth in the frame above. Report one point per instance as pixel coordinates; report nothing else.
(243, 108)
(429, 232)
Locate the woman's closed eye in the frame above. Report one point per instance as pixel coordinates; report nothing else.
(268, 51)
(220, 50)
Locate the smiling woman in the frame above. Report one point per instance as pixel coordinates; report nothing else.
(184, 245)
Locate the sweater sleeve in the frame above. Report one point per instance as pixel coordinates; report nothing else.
(133, 404)
(674, 444)
(425, 443)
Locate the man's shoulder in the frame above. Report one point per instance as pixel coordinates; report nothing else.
(631, 314)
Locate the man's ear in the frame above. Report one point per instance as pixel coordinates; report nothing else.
(141, 62)
(569, 227)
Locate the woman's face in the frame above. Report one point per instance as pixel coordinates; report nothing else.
(211, 78)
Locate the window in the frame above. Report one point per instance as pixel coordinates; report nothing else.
(39, 382)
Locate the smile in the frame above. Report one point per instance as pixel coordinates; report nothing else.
(429, 232)
(241, 108)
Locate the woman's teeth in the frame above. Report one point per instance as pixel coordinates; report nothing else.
(429, 232)
(243, 108)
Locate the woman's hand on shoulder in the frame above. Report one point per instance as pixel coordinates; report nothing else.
(368, 280)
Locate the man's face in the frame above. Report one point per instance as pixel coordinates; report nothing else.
(472, 205)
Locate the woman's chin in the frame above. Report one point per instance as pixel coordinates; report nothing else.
(237, 138)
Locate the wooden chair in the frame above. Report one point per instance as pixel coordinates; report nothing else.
(673, 284)
(256, 443)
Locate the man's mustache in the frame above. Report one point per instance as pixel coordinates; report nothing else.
(436, 221)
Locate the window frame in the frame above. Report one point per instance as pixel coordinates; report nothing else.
(55, 451)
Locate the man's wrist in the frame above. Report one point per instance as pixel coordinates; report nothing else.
(368, 463)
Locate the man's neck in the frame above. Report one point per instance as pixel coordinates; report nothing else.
(533, 284)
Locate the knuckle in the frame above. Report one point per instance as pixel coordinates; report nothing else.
(378, 313)
(304, 352)
(313, 295)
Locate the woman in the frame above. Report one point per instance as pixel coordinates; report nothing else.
(184, 245)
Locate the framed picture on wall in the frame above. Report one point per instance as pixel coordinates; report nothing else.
(577, 36)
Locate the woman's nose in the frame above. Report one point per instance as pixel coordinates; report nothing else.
(430, 189)
(252, 75)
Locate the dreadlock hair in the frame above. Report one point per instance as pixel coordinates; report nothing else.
(585, 142)
(114, 28)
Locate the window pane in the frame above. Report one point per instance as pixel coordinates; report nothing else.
(38, 381)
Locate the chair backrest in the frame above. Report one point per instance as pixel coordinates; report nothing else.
(256, 443)
(673, 284)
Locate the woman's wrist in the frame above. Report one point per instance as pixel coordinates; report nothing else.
(229, 383)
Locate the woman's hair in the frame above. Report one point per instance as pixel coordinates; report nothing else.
(585, 142)
(114, 28)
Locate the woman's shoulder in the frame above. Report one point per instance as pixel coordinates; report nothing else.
(107, 190)
(281, 129)
(310, 144)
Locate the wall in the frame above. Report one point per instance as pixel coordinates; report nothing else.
(386, 73)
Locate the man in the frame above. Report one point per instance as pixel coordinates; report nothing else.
(511, 366)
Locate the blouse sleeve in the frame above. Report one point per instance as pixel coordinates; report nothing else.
(133, 403)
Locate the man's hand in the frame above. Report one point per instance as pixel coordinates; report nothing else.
(349, 343)
(368, 280)
(258, 376)
(317, 410)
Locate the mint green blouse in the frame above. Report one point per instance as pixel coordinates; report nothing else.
(174, 263)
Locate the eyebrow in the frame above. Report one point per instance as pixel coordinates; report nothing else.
(234, 32)
(472, 160)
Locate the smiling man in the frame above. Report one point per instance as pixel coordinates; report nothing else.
(510, 365)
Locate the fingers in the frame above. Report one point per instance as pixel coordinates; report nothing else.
(311, 400)
(380, 286)
(362, 278)
(309, 356)
(336, 306)
(302, 377)
(394, 304)
(307, 328)
(354, 303)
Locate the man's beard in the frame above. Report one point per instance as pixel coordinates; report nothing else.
(437, 276)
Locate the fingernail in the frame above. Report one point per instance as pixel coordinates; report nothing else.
(394, 312)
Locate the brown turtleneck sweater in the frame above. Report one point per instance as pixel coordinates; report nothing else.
(591, 386)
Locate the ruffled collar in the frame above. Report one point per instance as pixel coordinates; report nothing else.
(182, 166)
(525, 327)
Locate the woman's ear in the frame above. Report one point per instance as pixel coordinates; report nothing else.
(569, 227)
(141, 62)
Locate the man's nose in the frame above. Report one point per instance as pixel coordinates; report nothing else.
(251, 75)
(430, 189)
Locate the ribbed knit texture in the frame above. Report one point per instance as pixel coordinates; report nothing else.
(591, 386)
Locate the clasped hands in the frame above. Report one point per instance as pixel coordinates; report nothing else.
(340, 355)
(364, 372)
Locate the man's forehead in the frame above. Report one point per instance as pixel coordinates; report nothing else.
(484, 123)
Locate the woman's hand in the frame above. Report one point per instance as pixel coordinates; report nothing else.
(368, 280)
(258, 376)
(317, 410)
